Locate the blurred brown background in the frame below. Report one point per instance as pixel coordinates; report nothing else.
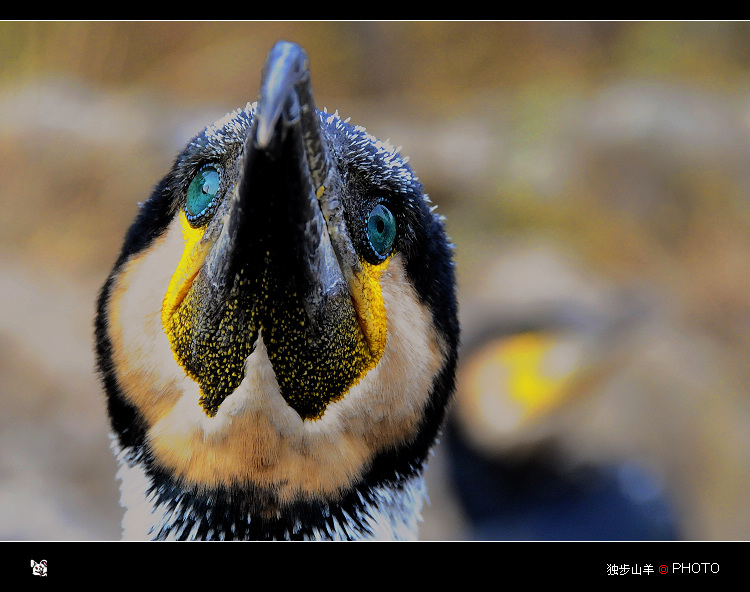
(595, 178)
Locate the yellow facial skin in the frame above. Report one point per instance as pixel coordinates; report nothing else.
(368, 301)
(528, 383)
(510, 384)
(309, 376)
(192, 259)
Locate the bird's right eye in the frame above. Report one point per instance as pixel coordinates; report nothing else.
(201, 200)
(381, 230)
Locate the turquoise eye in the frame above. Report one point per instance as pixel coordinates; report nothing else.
(201, 195)
(381, 230)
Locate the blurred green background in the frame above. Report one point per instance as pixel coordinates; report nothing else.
(595, 178)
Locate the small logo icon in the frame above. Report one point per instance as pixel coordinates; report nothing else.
(39, 569)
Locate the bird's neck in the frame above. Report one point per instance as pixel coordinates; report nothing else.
(157, 508)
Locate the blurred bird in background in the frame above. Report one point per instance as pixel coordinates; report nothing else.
(536, 365)
(594, 179)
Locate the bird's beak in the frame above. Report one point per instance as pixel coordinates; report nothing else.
(283, 265)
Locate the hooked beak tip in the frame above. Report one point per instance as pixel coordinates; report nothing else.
(286, 68)
(263, 133)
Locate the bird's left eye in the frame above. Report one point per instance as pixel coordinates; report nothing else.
(201, 195)
(381, 230)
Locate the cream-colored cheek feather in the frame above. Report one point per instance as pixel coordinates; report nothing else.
(398, 388)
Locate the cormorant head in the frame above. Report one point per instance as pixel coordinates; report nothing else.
(282, 314)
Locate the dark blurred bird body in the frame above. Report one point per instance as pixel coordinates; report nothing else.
(278, 337)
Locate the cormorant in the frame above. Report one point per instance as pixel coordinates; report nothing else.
(278, 337)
